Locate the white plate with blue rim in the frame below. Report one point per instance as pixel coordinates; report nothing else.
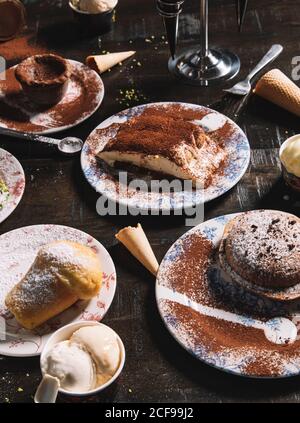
(217, 321)
(106, 182)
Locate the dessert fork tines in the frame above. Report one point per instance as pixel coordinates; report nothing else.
(244, 87)
(230, 106)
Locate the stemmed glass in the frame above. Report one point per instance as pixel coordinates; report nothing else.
(200, 65)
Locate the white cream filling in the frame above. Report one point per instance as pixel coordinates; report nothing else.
(152, 162)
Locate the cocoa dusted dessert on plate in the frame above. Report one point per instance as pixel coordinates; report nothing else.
(198, 150)
(44, 78)
(260, 250)
(47, 93)
(223, 289)
(171, 143)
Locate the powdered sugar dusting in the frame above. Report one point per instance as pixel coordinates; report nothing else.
(38, 289)
(18, 250)
(63, 253)
(267, 243)
(191, 268)
(40, 284)
(280, 233)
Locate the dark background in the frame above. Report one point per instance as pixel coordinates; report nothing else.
(157, 368)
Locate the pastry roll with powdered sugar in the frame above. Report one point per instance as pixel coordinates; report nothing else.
(62, 273)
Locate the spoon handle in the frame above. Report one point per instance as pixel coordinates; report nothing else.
(47, 390)
(28, 136)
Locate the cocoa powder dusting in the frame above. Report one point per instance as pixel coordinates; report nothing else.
(171, 132)
(18, 112)
(152, 132)
(245, 347)
(223, 133)
(21, 47)
(196, 257)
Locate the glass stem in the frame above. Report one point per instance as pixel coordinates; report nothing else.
(203, 28)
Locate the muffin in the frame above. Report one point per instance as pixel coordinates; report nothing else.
(290, 161)
(260, 250)
(44, 78)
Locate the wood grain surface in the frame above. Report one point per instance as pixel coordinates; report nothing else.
(157, 368)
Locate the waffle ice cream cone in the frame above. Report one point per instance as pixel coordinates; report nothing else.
(103, 62)
(276, 87)
(137, 243)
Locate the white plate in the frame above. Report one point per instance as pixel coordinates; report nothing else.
(12, 173)
(185, 276)
(83, 97)
(18, 249)
(236, 145)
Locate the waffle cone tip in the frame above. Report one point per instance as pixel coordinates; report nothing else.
(101, 63)
(135, 240)
(277, 88)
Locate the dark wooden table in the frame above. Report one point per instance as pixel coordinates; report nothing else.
(157, 368)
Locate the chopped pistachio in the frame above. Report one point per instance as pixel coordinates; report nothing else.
(4, 193)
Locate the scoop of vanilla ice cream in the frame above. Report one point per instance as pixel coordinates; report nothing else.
(95, 6)
(72, 365)
(290, 155)
(102, 343)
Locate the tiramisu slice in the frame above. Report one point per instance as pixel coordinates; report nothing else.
(164, 142)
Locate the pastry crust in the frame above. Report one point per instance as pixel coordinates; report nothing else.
(62, 273)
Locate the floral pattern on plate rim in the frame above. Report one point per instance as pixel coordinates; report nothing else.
(213, 230)
(237, 147)
(24, 343)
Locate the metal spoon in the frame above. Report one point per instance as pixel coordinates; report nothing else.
(47, 390)
(68, 146)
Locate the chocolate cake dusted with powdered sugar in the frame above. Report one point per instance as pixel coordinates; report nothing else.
(260, 250)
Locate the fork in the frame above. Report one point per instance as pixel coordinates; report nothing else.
(230, 106)
(244, 87)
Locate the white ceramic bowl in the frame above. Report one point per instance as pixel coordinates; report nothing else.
(83, 12)
(64, 334)
(292, 180)
(286, 142)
